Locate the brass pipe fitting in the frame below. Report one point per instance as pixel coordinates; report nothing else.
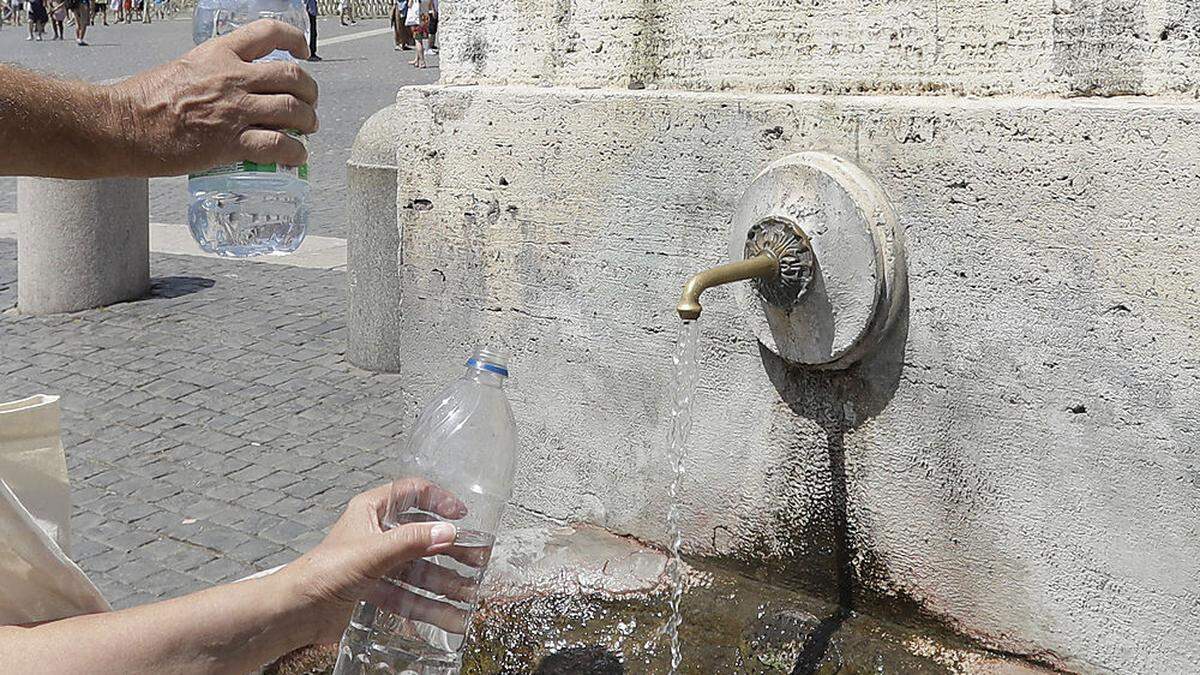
(762, 266)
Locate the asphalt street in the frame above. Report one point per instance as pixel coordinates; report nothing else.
(358, 77)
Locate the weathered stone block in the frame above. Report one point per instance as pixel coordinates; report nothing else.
(1061, 47)
(1010, 460)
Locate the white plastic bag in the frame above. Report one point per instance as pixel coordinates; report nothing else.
(38, 581)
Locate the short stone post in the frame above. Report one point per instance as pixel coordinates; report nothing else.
(373, 246)
(81, 243)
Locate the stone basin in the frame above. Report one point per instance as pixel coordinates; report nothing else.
(584, 600)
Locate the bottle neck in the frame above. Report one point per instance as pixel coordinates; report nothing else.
(485, 377)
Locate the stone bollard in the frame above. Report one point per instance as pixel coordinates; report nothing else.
(373, 246)
(81, 243)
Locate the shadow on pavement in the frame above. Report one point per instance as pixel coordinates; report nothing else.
(173, 287)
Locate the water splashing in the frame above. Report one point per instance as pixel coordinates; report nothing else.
(684, 385)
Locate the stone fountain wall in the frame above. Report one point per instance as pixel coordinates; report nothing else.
(1020, 460)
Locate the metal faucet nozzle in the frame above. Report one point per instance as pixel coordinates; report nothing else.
(764, 265)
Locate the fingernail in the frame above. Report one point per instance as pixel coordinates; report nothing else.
(442, 533)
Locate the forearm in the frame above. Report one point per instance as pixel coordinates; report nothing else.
(233, 628)
(58, 128)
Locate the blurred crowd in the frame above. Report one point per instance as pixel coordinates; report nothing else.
(79, 14)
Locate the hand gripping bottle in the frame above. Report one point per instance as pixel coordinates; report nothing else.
(457, 465)
(245, 208)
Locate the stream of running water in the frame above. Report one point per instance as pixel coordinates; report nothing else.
(683, 386)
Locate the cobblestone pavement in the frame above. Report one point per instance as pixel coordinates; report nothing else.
(211, 430)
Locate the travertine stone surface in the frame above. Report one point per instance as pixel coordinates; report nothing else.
(1020, 458)
(1022, 47)
(372, 281)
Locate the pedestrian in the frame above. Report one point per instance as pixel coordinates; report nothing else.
(401, 35)
(311, 7)
(17, 7)
(101, 7)
(416, 20)
(37, 19)
(346, 10)
(82, 12)
(58, 14)
(434, 13)
(127, 6)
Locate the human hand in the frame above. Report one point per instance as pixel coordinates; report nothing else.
(212, 106)
(351, 563)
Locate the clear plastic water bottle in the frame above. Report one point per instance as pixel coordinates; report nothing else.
(464, 443)
(247, 209)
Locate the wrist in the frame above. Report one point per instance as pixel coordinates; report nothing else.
(115, 113)
(295, 608)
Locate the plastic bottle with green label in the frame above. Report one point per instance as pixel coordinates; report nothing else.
(244, 208)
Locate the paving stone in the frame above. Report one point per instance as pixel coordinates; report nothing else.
(219, 570)
(168, 583)
(278, 479)
(254, 549)
(137, 598)
(286, 532)
(160, 521)
(307, 489)
(116, 592)
(281, 558)
(251, 474)
(83, 548)
(132, 513)
(217, 537)
(103, 561)
(287, 506)
(133, 571)
(129, 540)
(229, 492)
(185, 477)
(261, 499)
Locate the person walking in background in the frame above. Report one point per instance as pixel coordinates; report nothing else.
(18, 8)
(415, 20)
(37, 18)
(400, 32)
(58, 14)
(346, 10)
(311, 7)
(433, 26)
(81, 12)
(101, 9)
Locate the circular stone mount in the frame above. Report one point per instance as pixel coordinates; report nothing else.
(842, 276)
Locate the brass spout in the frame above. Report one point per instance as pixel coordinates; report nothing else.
(764, 265)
